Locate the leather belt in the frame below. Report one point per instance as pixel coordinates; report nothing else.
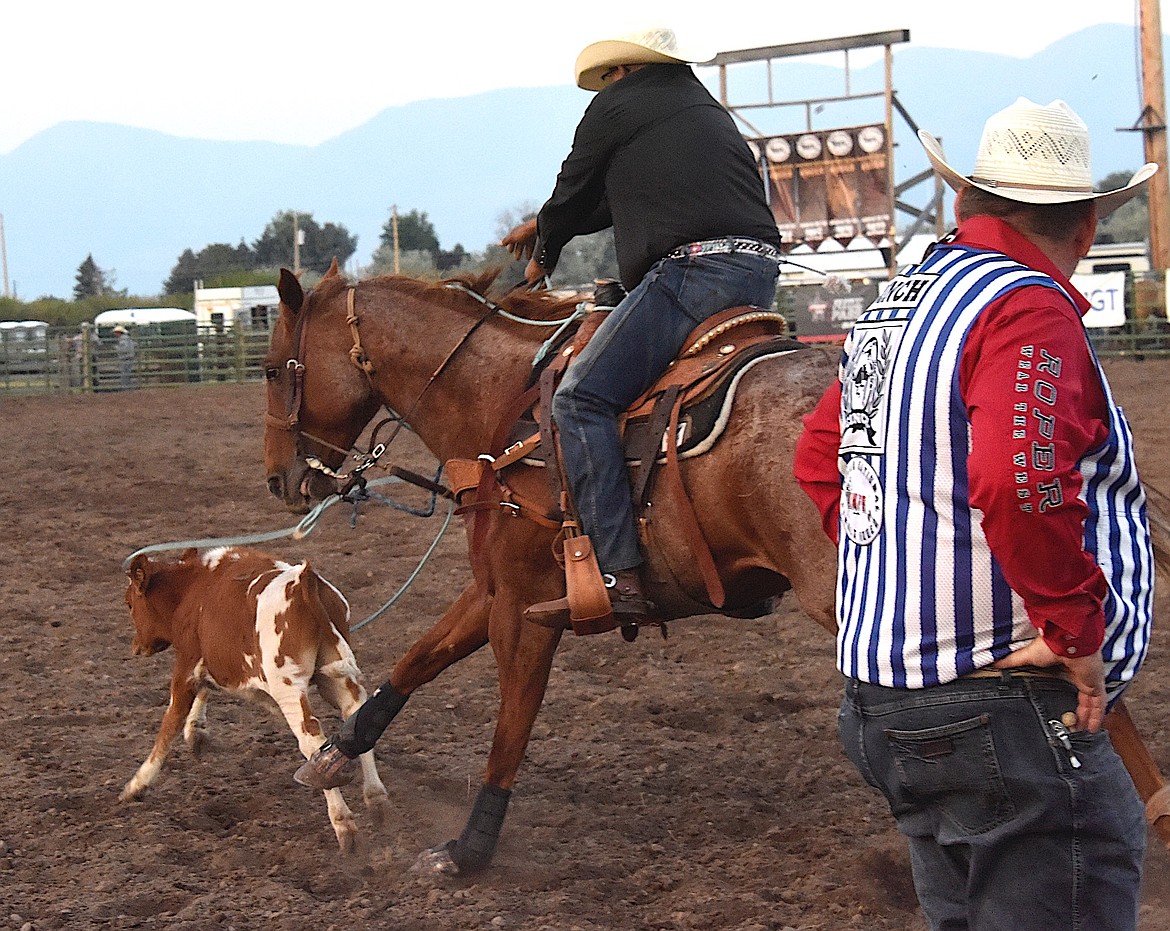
(1023, 672)
(726, 246)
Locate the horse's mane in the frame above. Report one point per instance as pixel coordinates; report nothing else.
(538, 305)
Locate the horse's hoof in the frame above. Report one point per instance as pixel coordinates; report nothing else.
(328, 768)
(436, 862)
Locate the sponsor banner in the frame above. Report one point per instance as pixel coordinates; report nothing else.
(1106, 294)
(828, 184)
(818, 313)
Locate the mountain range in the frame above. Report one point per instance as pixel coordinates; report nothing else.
(135, 198)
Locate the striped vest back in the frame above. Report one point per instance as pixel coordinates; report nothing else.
(920, 598)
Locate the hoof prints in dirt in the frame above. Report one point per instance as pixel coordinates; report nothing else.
(694, 783)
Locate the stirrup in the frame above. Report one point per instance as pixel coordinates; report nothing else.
(554, 614)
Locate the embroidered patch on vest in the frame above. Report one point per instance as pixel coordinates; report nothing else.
(862, 506)
(864, 394)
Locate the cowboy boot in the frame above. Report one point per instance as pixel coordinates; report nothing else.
(624, 589)
(630, 605)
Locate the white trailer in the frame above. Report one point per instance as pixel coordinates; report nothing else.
(253, 308)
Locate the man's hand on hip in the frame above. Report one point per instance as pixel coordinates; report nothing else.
(1087, 673)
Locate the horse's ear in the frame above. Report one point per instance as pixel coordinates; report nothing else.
(289, 288)
(332, 273)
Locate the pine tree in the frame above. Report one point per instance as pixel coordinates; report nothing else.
(91, 280)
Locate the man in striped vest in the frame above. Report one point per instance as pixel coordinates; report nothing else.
(995, 577)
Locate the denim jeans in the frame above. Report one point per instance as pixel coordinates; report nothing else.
(1006, 832)
(630, 350)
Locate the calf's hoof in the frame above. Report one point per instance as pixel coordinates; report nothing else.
(131, 793)
(378, 808)
(347, 838)
(328, 768)
(196, 740)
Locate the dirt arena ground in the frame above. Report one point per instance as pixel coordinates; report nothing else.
(692, 783)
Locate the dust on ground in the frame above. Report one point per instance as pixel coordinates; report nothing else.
(688, 783)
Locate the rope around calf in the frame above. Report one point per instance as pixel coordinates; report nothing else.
(306, 525)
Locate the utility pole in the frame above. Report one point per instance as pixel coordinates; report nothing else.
(4, 257)
(394, 227)
(1153, 126)
(296, 247)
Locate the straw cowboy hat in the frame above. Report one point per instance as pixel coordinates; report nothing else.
(119, 329)
(657, 45)
(1035, 155)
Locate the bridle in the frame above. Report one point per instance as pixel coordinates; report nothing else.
(291, 421)
(357, 355)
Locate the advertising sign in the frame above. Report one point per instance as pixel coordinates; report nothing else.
(1106, 292)
(819, 314)
(830, 183)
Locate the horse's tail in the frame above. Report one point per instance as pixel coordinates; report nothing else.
(1158, 513)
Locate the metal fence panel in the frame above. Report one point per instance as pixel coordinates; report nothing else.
(81, 361)
(69, 361)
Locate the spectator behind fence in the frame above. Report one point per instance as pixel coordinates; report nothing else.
(75, 355)
(125, 348)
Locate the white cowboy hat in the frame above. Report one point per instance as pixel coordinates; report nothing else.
(656, 45)
(119, 329)
(1035, 155)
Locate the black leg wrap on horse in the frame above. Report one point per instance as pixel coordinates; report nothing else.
(477, 843)
(362, 729)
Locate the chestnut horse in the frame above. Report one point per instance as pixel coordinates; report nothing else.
(451, 363)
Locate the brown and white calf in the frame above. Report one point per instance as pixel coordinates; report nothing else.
(244, 622)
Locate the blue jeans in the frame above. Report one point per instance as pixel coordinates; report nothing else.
(1005, 832)
(627, 354)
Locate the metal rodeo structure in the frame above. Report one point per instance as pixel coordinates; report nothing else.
(832, 183)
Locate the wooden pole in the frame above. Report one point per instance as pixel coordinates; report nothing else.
(1153, 127)
(892, 234)
(4, 256)
(296, 247)
(394, 227)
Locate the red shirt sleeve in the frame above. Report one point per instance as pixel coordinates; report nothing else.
(816, 458)
(1036, 406)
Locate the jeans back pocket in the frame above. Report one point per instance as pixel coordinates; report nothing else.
(952, 770)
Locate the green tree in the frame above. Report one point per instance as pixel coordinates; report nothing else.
(320, 246)
(416, 233)
(452, 260)
(211, 262)
(1131, 221)
(416, 262)
(332, 240)
(90, 280)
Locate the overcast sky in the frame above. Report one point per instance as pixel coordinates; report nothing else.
(302, 72)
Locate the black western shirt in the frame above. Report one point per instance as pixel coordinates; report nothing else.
(659, 159)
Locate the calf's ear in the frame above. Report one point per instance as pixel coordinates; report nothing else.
(139, 573)
(143, 569)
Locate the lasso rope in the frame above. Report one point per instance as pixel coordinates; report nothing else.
(303, 529)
